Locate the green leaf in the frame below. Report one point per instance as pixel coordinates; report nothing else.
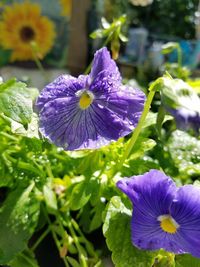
(169, 47)
(176, 72)
(18, 219)
(30, 132)
(50, 198)
(123, 38)
(152, 117)
(24, 259)
(80, 195)
(99, 264)
(187, 260)
(177, 94)
(97, 218)
(16, 101)
(141, 165)
(142, 145)
(105, 23)
(116, 229)
(111, 31)
(97, 34)
(195, 84)
(185, 152)
(73, 262)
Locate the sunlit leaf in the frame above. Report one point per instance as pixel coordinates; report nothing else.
(24, 259)
(50, 198)
(185, 152)
(116, 229)
(16, 101)
(32, 128)
(169, 47)
(187, 261)
(18, 219)
(105, 23)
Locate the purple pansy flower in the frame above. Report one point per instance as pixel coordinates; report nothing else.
(91, 110)
(164, 216)
(186, 118)
(182, 102)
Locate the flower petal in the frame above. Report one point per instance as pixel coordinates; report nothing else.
(146, 233)
(152, 191)
(63, 86)
(55, 116)
(105, 83)
(186, 119)
(185, 209)
(127, 103)
(107, 123)
(151, 195)
(102, 61)
(66, 125)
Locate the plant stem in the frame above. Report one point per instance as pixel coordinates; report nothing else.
(179, 56)
(43, 235)
(49, 171)
(38, 63)
(41, 69)
(76, 241)
(8, 136)
(90, 248)
(28, 260)
(54, 236)
(138, 129)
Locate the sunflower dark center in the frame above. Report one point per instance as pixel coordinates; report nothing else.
(27, 34)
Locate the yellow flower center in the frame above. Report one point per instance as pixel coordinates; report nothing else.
(86, 100)
(27, 34)
(168, 224)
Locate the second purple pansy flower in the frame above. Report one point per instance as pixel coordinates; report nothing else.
(164, 216)
(89, 111)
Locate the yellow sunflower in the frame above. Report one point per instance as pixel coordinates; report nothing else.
(23, 25)
(66, 6)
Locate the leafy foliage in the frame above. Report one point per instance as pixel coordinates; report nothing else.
(18, 219)
(185, 152)
(72, 194)
(187, 260)
(16, 102)
(183, 11)
(24, 259)
(112, 32)
(116, 229)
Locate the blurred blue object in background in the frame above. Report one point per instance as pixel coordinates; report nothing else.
(187, 48)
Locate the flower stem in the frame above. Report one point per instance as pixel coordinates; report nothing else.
(28, 260)
(179, 56)
(79, 248)
(41, 69)
(54, 236)
(89, 247)
(43, 235)
(38, 62)
(49, 171)
(138, 129)
(8, 136)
